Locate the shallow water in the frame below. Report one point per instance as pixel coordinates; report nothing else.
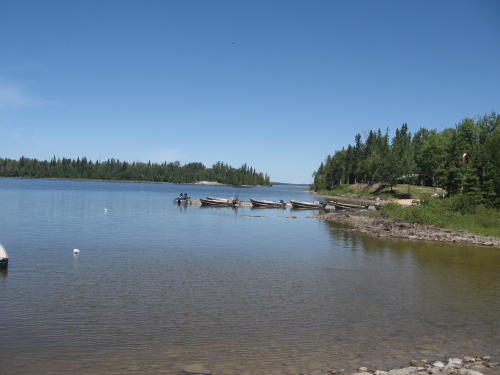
(157, 287)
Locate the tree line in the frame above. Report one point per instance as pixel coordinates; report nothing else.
(114, 169)
(463, 160)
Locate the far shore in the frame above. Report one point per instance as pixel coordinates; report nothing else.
(207, 183)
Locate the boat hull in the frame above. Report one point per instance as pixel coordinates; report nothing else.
(267, 204)
(307, 205)
(4, 263)
(219, 202)
(348, 206)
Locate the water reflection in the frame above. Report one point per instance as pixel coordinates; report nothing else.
(4, 272)
(446, 282)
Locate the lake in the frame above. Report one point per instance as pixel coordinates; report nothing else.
(157, 287)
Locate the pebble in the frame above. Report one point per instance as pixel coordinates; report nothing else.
(438, 364)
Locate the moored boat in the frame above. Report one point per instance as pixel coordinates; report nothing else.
(4, 257)
(269, 204)
(183, 198)
(345, 206)
(308, 205)
(219, 202)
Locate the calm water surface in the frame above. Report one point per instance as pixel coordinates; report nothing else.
(158, 286)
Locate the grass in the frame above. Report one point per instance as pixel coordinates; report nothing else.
(457, 212)
(398, 191)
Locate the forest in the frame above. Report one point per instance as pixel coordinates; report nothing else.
(114, 169)
(462, 160)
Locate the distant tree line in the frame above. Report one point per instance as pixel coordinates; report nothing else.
(464, 159)
(114, 169)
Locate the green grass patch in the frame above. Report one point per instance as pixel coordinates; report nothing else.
(398, 191)
(458, 212)
(338, 190)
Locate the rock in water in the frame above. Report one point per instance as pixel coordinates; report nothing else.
(195, 370)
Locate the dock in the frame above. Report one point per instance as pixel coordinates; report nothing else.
(197, 202)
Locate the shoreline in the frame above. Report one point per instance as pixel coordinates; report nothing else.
(467, 365)
(206, 183)
(361, 221)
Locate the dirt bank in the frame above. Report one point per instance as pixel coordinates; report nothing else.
(367, 222)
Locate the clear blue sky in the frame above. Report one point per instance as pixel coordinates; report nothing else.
(276, 84)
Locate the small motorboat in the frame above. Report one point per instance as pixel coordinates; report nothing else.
(4, 257)
(269, 204)
(220, 202)
(348, 206)
(183, 198)
(308, 205)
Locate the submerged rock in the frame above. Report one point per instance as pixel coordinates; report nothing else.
(195, 369)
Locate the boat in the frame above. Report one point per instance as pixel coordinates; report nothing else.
(269, 204)
(348, 206)
(308, 205)
(4, 257)
(219, 202)
(183, 198)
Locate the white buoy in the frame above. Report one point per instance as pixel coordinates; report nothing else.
(4, 257)
(76, 251)
(105, 210)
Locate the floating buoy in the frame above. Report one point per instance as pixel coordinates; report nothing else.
(4, 257)
(76, 251)
(105, 210)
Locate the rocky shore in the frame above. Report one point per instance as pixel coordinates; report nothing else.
(452, 366)
(364, 221)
